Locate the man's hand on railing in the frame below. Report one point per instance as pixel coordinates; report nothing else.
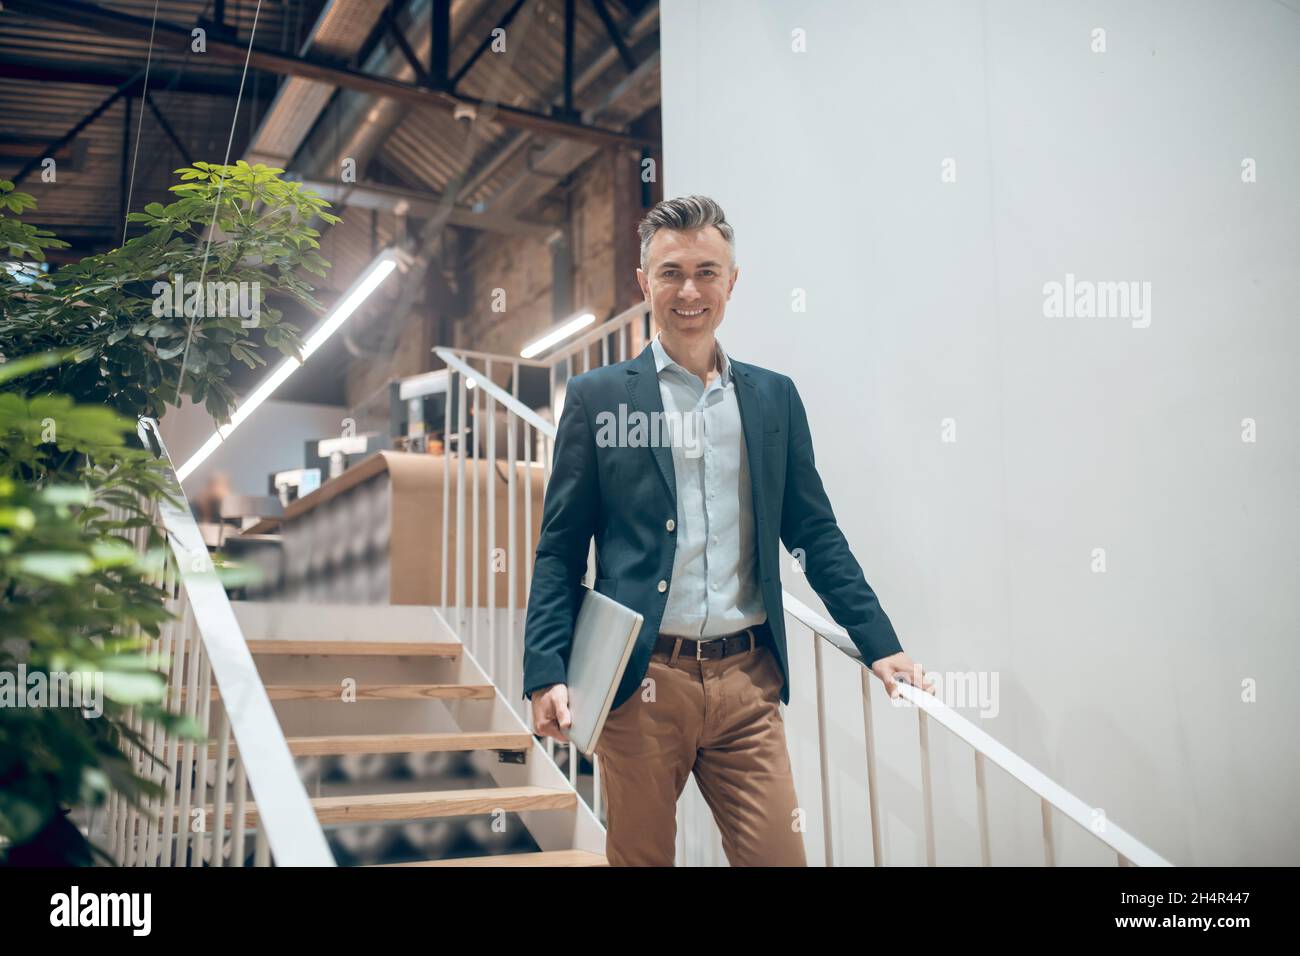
(551, 712)
(890, 669)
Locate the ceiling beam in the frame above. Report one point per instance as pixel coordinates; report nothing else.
(624, 54)
(69, 136)
(86, 74)
(485, 43)
(175, 37)
(394, 29)
(424, 204)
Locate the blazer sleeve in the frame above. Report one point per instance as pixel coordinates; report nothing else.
(808, 524)
(570, 514)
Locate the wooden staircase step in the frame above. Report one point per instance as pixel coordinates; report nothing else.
(401, 743)
(441, 803)
(375, 692)
(425, 805)
(544, 858)
(357, 648)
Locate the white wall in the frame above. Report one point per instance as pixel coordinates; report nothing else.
(925, 302)
(270, 440)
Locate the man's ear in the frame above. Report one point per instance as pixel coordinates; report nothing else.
(641, 281)
(735, 274)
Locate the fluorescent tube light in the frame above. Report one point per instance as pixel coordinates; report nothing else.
(558, 334)
(375, 273)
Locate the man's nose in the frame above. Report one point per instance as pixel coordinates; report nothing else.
(689, 291)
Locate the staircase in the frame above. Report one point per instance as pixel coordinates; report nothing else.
(327, 688)
(369, 687)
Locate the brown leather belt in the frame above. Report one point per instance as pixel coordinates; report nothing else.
(710, 649)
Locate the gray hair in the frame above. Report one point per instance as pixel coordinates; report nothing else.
(685, 212)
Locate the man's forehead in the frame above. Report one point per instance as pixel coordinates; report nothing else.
(689, 246)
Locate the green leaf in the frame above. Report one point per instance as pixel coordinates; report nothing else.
(61, 567)
(31, 363)
(66, 495)
(112, 553)
(133, 688)
(20, 519)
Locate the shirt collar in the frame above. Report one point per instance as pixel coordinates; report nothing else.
(663, 359)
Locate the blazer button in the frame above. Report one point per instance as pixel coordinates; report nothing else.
(670, 524)
(663, 586)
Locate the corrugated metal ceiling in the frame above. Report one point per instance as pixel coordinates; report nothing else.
(427, 149)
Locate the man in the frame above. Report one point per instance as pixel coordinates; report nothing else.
(687, 535)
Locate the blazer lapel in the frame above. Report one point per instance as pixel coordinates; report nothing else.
(643, 386)
(751, 421)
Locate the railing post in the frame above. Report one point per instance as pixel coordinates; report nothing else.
(237, 815)
(822, 755)
(157, 649)
(474, 578)
(927, 796)
(444, 597)
(1049, 842)
(982, 809)
(530, 444)
(512, 554)
(220, 769)
(873, 798)
(515, 658)
(201, 777)
(460, 504)
(491, 412)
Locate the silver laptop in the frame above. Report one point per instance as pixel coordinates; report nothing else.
(603, 638)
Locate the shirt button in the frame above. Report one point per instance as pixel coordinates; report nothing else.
(663, 586)
(670, 524)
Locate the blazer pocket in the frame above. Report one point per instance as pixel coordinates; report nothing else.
(607, 587)
(773, 437)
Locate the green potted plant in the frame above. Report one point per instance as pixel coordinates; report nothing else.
(86, 350)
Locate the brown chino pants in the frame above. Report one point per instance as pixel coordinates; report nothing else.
(720, 720)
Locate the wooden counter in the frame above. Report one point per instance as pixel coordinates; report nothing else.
(374, 534)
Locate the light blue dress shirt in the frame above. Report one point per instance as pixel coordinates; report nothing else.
(714, 590)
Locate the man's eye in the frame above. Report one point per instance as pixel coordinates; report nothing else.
(708, 272)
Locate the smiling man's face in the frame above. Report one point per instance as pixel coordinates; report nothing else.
(687, 281)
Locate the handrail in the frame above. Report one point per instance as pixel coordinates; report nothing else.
(494, 357)
(1125, 844)
(284, 810)
(606, 328)
(490, 387)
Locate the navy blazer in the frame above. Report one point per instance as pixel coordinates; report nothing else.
(624, 496)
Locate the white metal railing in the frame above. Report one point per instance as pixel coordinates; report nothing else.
(529, 440)
(241, 780)
(616, 340)
(1128, 849)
